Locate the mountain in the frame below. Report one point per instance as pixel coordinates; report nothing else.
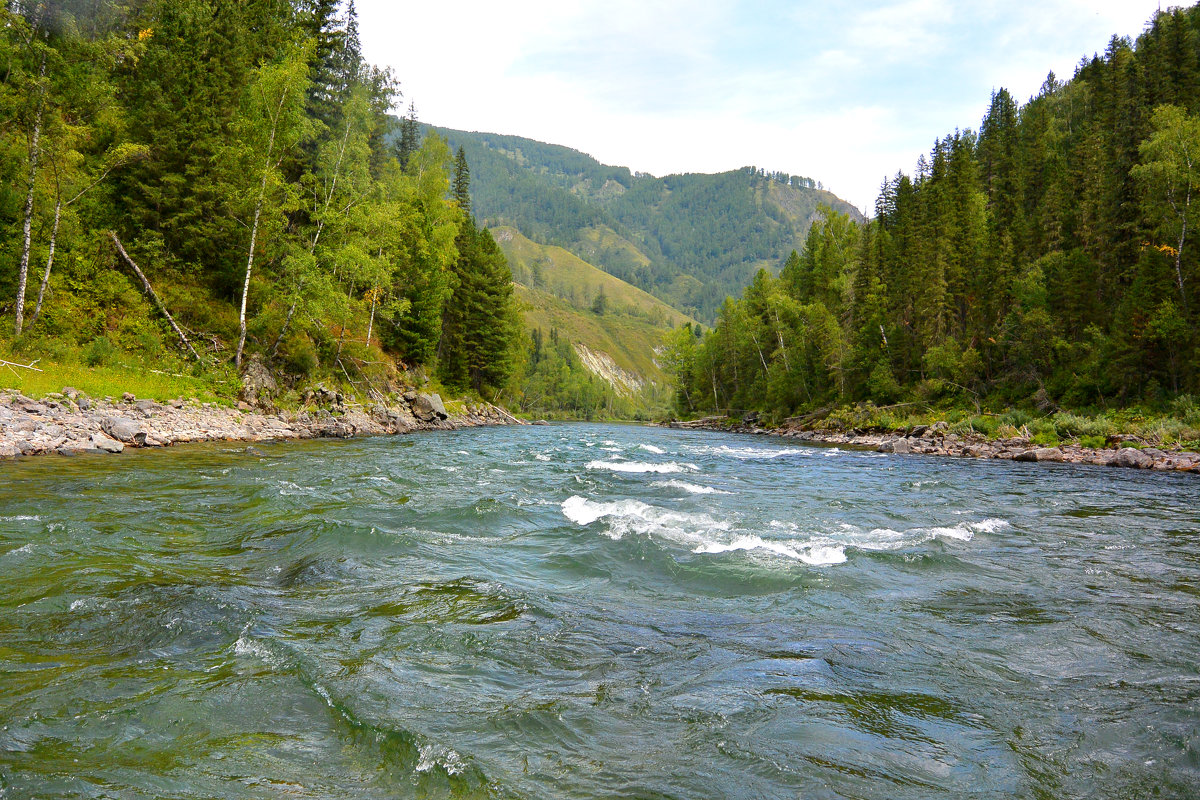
(614, 327)
(690, 240)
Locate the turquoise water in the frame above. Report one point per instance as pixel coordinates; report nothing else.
(592, 611)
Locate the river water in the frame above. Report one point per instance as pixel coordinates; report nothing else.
(586, 611)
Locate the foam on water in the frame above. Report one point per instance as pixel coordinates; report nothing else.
(23, 549)
(640, 466)
(690, 488)
(649, 448)
(807, 552)
(889, 539)
(21, 518)
(749, 453)
(635, 517)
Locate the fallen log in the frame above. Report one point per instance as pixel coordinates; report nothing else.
(153, 296)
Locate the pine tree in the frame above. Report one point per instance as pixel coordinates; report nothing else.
(410, 136)
(460, 187)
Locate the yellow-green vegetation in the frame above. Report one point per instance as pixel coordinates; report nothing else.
(558, 290)
(163, 380)
(1177, 424)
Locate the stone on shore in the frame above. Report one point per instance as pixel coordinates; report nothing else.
(1132, 457)
(124, 430)
(102, 442)
(428, 407)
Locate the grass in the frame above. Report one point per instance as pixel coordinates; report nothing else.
(164, 380)
(1177, 424)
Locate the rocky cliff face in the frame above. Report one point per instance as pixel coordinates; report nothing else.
(599, 363)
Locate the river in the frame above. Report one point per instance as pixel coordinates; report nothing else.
(594, 611)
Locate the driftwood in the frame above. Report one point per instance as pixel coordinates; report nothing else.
(154, 297)
(11, 364)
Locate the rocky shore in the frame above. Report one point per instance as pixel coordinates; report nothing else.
(937, 440)
(70, 423)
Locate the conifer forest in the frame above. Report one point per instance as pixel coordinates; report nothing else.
(1047, 259)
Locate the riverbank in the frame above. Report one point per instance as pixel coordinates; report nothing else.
(938, 440)
(71, 423)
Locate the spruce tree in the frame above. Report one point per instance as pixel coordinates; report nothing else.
(410, 136)
(460, 187)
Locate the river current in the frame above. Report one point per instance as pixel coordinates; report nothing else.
(589, 611)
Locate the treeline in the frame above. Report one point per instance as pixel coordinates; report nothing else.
(245, 155)
(1049, 258)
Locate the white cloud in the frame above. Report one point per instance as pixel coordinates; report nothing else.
(843, 94)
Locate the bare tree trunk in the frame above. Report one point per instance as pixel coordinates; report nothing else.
(371, 323)
(758, 347)
(258, 207)
(59, 205)
(37, 310)
(283, 331)
(312, 245)
(787, 365)
(27, 224)
(237, 358)
(153, 296)
(1179, 250)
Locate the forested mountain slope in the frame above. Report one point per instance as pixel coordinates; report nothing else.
(1048, 259)
(689, 239)
(595, 311)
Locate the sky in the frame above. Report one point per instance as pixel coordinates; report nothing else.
(844, 93)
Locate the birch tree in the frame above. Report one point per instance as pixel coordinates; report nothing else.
(271, 123)
(1170, 174)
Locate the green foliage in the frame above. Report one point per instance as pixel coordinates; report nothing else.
(99, 353)
(688, 239)
(552, 381)
(1015, 266)
(242, 158)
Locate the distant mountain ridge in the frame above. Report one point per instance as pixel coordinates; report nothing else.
(691, 240)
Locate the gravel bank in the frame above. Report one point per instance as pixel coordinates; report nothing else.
(70, 423)
(937, 440)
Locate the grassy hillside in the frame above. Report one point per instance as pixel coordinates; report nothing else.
(559, 290)
(690, 240)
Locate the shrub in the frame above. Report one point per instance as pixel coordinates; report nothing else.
(1074, 425)
(984, 424)
(1046, 438)
(99, 352)
(1094, 442)
(1016, 417)
(300, 355)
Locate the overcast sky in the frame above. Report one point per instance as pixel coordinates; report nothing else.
(843, 93)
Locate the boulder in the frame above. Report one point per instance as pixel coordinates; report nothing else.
(9, 450)
(1048, 454)
(124, 430)
(258, 384)
(1131, 457)
(128, 397)
(146, 406)
(428, 408)
(102, 442)
(1026, 455)
(901, 446)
